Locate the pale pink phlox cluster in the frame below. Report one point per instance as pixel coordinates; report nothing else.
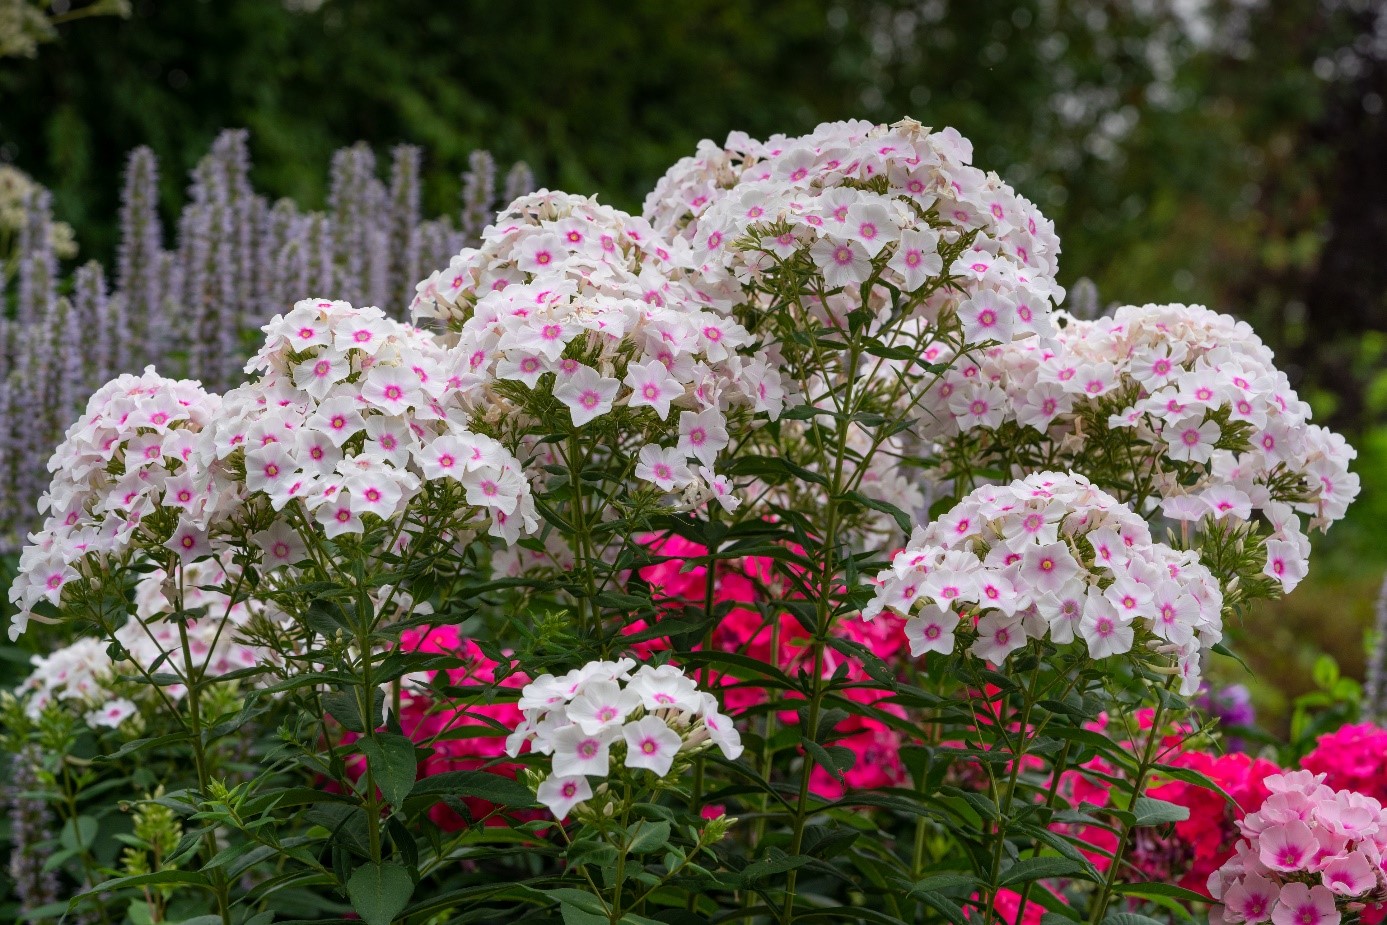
(1176, 371)
(1309, 854)
(128, 455)
(351, 415)
(651, 713)
(1051, 556)
(860, 199)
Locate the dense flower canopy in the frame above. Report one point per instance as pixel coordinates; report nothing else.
(786, 543)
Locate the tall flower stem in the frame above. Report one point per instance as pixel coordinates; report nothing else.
(220, 886)
(1144, 768)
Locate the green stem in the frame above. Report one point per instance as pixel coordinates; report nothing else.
(1018, 756)
(366, 705)
(220, 887)
(69, 803)
(1148, 759)
(1061, 765)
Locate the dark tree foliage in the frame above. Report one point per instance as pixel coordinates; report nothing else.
(1236, 156)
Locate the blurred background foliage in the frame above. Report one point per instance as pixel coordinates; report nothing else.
(1229, 152)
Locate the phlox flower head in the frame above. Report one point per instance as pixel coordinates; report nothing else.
(1049, 556)
(360, 448)
(1227, 441)
(612, 715)
(83, 675)
(860, 203)
(611, 326)
(130, 454)
(1309, 854)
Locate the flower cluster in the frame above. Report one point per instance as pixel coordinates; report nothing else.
(889, 222)
(1217, 432)
(1351, 758)
(85, 675)
(571, 299)
(570, 241)
(652, 714)
(185, 306)
(353, 415)
(695, 181)
(123, 465)
(1309, 854)
(1050, 555)
(854, 202)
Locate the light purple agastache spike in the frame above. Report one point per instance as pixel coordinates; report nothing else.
(280, 223)
(93, 308)
(323, 275)
(38, 264)
(403, 246)
(137, 262)
(10, 540)
(478, 195)
(37, 374)
(32, 827)
(439, 241)
(67, 389)
(230, 158)
(237, 262)
(207, 251)
(520, 181)
(354, 201)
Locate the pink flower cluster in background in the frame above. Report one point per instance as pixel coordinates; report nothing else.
(742, 583)
(1352, 757)
(1309, 854)
(1195, 847)
(462, 732)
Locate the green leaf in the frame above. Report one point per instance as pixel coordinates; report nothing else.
(572, 915)
(800, 413)
(1042, 868)
(647, 837)
(901, 518)
(835, 759)
(138, 745)
(1158, 812)
(1128, 918)
(379, 892)
(344, 708)
(770, 867)
(493, 788)
(579, 908)
(1189, 776)
(1168, 890)
(945, 881)
(392, 763)
(79, 833)
(162, 878)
